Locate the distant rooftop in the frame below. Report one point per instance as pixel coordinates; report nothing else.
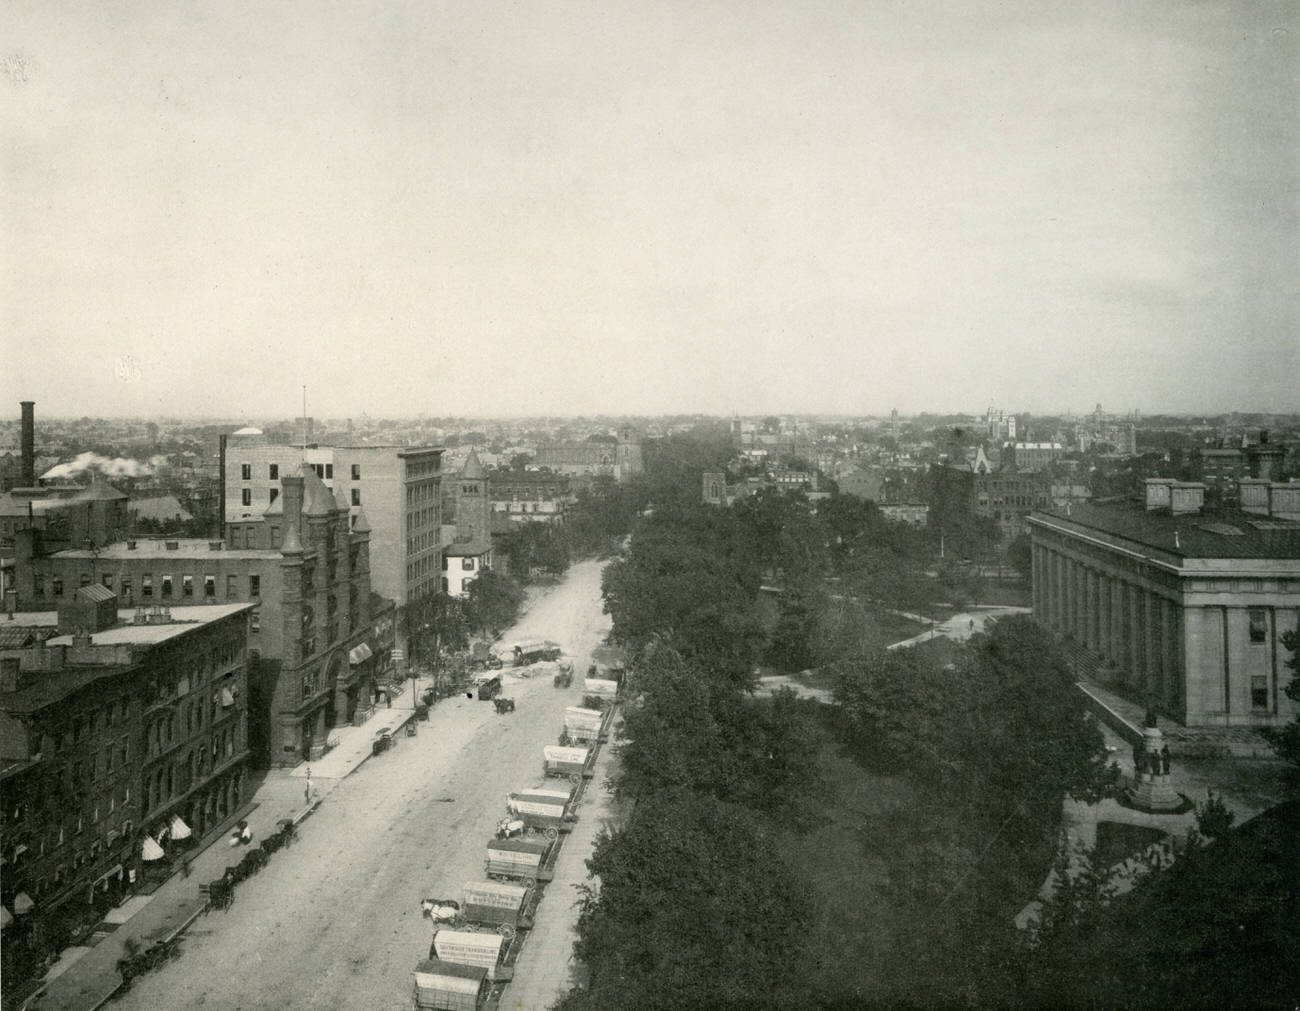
(186, 547)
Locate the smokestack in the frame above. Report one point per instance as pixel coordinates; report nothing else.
(29, 443)
(221, 485)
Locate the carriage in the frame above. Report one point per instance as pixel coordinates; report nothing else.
(520, 859)
(598, 693)
(480, 950)
(573, 764)
(503, 906)
(582, 726)
(487, 686)
(545, 811)
(447, 986)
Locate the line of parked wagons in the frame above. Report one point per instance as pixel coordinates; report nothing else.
(477, 936)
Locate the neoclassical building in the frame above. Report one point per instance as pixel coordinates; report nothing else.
(1186, 608)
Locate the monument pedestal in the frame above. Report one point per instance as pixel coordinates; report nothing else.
(1151, 789)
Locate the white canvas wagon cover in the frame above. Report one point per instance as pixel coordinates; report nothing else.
(464, 947)
(576, 718)
(447, 977)
(495, 894)
(554, 754)
(532, 847)
(601, 687)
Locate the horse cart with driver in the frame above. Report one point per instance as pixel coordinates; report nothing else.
(573, 764)
(528, 860)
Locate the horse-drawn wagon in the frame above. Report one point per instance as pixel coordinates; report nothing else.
(487, 686)
(530, 651)
(468, 947)
(500, 905)
(545, 811)
(598, 693)
(446, 986)
(521, 859)
(582, 726)
(573, 764)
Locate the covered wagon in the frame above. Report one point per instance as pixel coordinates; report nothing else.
(525, 860)
(467, 947)
(573, 764)
(545, 811)
(582, 726)
(503, 906)
(530, 651)
(598, 693)
(446, 986)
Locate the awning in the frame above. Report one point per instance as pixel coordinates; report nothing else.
(359, 654)
(179, 830)
(227, 698)
(150, 850)
(6, 917)
(23, 903)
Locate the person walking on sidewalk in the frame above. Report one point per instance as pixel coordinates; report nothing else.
(307, 790)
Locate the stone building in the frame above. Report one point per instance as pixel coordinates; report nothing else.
(620, 460)
(1186, 608)
(304, 561)
(524, 496)
(122, 733)
(397, 486)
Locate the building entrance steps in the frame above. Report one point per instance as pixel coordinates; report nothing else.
(1125, 717)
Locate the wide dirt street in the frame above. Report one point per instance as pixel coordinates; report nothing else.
(334, 921)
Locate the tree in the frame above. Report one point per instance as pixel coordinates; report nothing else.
(1020, 556)
(492, 601)
(695, 909)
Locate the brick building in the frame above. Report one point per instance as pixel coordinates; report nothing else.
(122, 733)
(304, 561)
(620, 460)
(529, 495)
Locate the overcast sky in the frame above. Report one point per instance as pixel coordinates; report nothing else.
(653, 207)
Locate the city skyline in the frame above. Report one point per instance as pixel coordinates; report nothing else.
(741, 209)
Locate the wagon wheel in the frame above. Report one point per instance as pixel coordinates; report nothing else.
(575, 778)
(530, 883)
(506, 931)
(552, 834)
(470, 928)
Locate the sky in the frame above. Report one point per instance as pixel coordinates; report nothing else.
(661, 207)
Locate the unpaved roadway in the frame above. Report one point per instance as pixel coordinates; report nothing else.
(334, 921)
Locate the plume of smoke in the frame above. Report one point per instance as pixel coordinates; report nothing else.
(116, 467)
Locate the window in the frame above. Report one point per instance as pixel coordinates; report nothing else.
(187, 586)
(467, 564)
(255, 586)
(356, 472)
(85, 579)
(1258, 624)
(273, 472)
(356, 496)
(255, 622)
(329, 470)
(274, 493)
(146, 585)
(126, 588)
(166, 585)
(230, 585)
(246, 472)
(210, 586)
(106, 578)
(1259, 692)
(246, 496)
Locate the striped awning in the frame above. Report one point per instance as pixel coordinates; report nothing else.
(359, 654)
(150, 850)
(179, 830)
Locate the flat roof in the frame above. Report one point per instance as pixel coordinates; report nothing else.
(186, 547)
(183, 619)
(1217, 534)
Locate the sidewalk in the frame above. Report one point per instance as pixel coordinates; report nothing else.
(85, 978)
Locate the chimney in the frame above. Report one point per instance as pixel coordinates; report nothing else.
(29, 443)
(10, 674)
(1186, 497)
(221, 489)
(292, 540)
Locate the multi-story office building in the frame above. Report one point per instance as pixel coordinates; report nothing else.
(1187, 607)
(304, 562)
(122, 732)
(398, 488)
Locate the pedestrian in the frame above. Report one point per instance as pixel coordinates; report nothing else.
(1139, 760)
(1164, 761)
(307, 791)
